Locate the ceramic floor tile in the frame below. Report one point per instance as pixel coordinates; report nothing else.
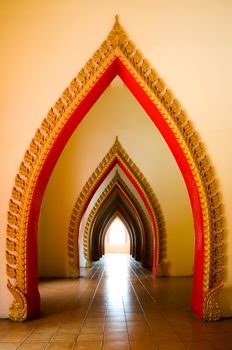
(115, 345)
(171, 346)
(116, 336)
(32, 346)
(88, 345)
(64, 338)
(92, 330)
(39, 337)
(60, 346)
(8, 346)
(90, 337)
(201, 345)
(142, 345)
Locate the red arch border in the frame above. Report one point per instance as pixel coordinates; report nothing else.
(115, 68)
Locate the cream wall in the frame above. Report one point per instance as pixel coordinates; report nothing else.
(44, 44)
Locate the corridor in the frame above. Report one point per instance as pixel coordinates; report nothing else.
(116, 305)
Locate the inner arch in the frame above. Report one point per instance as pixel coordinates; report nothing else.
(142, 237)
(117, 239)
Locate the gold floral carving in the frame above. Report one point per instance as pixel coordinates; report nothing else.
(118, 181)
(211, 306)
(18, 309)
(118, 45)
(119, 153)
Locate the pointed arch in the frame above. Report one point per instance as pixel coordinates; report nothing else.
(116, 56)
(118, 203)
(120, 215)
(117, 181)
(118, 155)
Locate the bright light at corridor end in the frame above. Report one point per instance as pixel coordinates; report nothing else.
(117, 239)
(117, 233)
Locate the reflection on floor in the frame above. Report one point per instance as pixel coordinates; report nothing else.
(116, 305)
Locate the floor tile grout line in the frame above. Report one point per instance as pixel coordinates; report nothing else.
(145, 316)
(162, 311)
(124, 317)
(27, 336)
(70, 310)
(153, 299)
(144, 313)
(81, 294)
(91, 302)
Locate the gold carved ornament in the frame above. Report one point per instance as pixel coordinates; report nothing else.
(116, 152)
(117, 181)
(117, 44)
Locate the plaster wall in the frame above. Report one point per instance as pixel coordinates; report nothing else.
(44, 45)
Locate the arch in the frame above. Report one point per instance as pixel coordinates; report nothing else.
(118, 214)
(118, 156)
(125, 217)
(117, 181)
(118, 203)
(109, 236)
(129, 210)
(116, 56)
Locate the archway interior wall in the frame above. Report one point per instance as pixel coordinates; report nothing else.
(115, 113)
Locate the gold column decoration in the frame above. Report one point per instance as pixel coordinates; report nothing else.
(211, 306)
(117, 45)
(116, 152)
(18, 309)
(118, 181)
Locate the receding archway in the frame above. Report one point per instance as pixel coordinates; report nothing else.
(117, 56)
(147, 248)
(125, 235)
(118, 202)
(117, 238)
(118, 156)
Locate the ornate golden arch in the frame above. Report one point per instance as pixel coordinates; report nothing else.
(117, 46)
(116, 154)
(117, 180)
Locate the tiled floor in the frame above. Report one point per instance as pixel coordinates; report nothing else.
(116, 305)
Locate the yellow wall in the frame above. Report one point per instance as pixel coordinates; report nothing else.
(45, 43)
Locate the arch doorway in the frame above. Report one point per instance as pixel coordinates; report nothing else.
(117, 56)
(117, 239)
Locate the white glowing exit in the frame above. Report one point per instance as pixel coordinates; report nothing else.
(117, 238)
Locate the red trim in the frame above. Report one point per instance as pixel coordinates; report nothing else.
(72, 123)
(157, 118)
